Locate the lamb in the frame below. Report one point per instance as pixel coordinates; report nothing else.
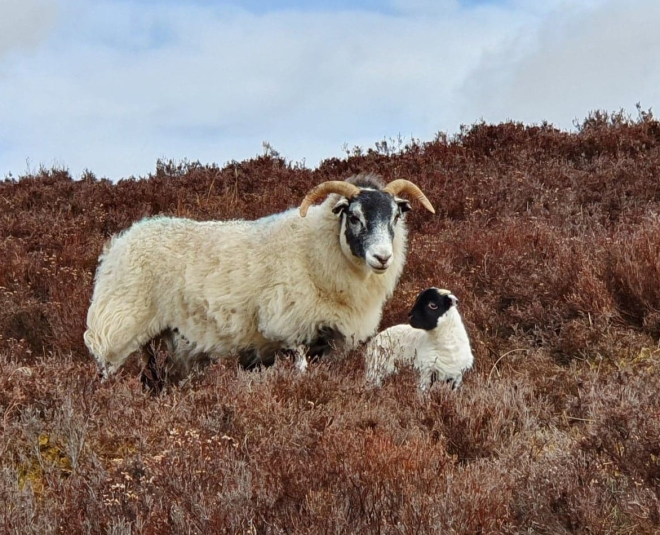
(318, 277)
(435, 343)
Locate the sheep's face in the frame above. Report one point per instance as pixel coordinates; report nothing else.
(369, 222)
(430, 309)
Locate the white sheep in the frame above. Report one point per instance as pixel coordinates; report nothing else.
(435, 343)
(251, 288)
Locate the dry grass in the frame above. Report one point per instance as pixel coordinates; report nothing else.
(550, 239)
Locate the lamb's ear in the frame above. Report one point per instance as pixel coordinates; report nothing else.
(340, 206)
(404, 205)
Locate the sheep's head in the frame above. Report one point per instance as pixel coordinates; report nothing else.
(430, 308)
(369, 215)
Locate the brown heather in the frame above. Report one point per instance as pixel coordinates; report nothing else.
(551, 241)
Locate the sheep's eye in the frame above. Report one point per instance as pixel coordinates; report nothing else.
(433, 306)
(354, 220)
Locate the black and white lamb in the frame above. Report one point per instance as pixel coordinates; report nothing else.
(435, 343)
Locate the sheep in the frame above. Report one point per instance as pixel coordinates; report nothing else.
(435, 343)
(317, 276)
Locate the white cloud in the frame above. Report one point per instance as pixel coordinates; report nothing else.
(120, 84)
(25, 23)
(577, 61)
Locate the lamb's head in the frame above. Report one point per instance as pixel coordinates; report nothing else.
(432, 308)
(370, 213)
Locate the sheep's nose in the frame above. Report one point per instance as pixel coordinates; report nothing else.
(383, 258)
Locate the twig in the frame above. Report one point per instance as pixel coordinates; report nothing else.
(498, 361)
(208, 195)
(580, 419)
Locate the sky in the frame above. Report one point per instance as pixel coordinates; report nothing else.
(111, 86)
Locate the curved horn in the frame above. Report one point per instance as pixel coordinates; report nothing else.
(326, 188)
(405, 186)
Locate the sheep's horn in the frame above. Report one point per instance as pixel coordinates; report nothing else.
(326, 188)
(405, 186)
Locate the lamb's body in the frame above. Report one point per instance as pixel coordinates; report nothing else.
(236, 286)
(441, 354)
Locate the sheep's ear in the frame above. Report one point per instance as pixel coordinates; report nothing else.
(340, 206)
(404, 205)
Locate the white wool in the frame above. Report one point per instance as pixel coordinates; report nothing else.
(442, 354)
(230, 286)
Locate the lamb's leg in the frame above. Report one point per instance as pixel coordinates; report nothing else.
(373, 378)
(381, 361)
(426, 380)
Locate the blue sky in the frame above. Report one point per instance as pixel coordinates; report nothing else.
(111, 86)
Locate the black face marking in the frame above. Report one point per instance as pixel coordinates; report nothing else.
(429, 307)
(365, 214)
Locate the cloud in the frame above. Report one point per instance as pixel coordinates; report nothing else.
(25, 23)
(578, 60)
(120, 84)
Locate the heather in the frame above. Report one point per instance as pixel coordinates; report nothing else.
(551, 241)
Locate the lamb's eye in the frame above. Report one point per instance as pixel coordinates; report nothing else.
(433, 306)
(354, 220)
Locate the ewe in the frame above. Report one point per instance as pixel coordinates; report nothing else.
(435, 343)
(315, 276)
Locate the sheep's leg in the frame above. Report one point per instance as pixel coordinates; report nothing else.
(183, 354)
(328, 339)
(155, 369)
(301, 357)
(150, 376)
(252, 359)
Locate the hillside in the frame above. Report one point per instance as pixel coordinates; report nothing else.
(551, 241)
